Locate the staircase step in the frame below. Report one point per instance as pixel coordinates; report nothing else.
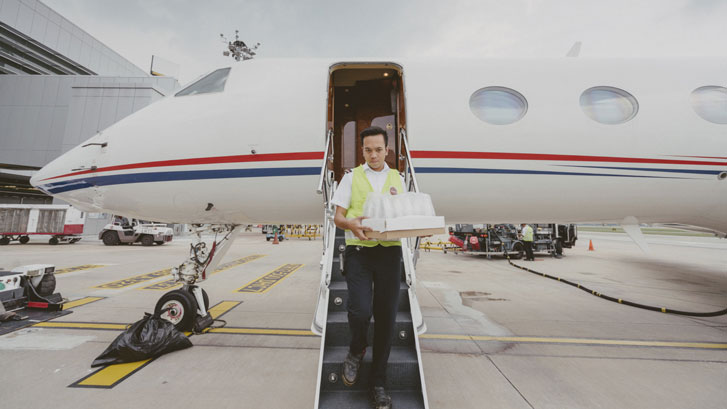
(402, 371)
(338, 334)
(339, 293)
(360, 399)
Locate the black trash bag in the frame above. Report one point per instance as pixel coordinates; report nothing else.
(149, 337)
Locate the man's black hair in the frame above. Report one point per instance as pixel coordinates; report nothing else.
(374, 130)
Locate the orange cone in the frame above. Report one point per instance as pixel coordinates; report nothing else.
(275, 236)
(590, 245)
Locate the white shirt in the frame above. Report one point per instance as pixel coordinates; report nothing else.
(342, 196)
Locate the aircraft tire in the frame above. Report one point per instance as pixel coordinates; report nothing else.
(47, 285)
(53, 241)
(24, 239)
(183, 309)
(110, 238)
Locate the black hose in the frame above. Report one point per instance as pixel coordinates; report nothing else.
(620, 301)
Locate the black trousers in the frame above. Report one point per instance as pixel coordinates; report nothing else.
(528, 250)
(373, 275)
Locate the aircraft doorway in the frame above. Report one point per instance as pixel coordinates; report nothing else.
(361, 95)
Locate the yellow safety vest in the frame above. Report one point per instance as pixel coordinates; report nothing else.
(360, 189)
(527, 233)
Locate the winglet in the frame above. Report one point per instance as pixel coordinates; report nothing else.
(631, 226)
(575, 51)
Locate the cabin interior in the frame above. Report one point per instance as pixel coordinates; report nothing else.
(361, 95)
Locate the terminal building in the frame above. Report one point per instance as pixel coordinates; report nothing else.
(58, 87)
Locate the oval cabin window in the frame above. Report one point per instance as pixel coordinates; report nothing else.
(608, 105)
(710, 103)
(498, 105)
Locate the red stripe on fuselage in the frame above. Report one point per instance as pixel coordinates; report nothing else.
(545, 156)
(262, 157)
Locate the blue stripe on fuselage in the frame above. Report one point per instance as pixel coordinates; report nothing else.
(146, 177)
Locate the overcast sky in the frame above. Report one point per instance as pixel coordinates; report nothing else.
(188, 32)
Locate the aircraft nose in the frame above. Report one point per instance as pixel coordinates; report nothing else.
(35, 179)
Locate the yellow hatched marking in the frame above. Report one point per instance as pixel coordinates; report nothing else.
(170, 284)
(77, 268)
(127, 282)
(79, 302)
(109, 376)
(262, 331)
(264, 283)
(80, 325)
(222, 308)
(662, 344)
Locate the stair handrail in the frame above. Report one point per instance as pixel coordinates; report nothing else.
(411, 182)
(409, 174)
(327, 157)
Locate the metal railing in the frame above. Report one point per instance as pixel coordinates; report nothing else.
(409, 174)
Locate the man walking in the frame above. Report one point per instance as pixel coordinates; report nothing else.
(527, 234)
(372, 267)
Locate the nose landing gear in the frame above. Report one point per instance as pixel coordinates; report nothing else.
(187, 307)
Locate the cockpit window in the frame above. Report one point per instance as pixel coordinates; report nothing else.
(710, 103)
(212, 82)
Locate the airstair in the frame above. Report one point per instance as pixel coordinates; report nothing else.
(405, 374)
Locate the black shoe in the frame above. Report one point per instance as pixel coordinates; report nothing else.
(379, 398)
(349, 372)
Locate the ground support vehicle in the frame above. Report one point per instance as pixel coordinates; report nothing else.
(487, 239)
(62, 222)
(567, 234)
(303, 231)
(269, 229)
(30, 286)
(121, 231)
(544, 240)
(552, 238)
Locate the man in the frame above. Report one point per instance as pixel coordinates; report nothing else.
(369, 263)
(527, 235)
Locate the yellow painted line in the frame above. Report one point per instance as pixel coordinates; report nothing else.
(81, 301)
(579, 341)
(81, 325)
(127, 282)
(262, 331)
(109, 376)
(171, 284)
(264, 283)
(237, 262)
(222, 308)
(163, 285)
(77, 268)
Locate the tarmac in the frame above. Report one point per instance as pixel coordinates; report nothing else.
(498, 337)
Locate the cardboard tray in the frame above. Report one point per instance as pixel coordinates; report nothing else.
(400, 234)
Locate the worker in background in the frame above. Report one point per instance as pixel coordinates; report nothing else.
(372, 267)
(526, 232)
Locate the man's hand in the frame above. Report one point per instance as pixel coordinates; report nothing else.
(358, 229)
(350, 224)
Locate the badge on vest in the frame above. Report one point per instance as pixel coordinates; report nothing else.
(393, 191)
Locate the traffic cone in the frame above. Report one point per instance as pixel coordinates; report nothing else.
(590, 245)
(275, 237)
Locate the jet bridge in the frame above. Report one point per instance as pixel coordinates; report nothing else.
(404, 372)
